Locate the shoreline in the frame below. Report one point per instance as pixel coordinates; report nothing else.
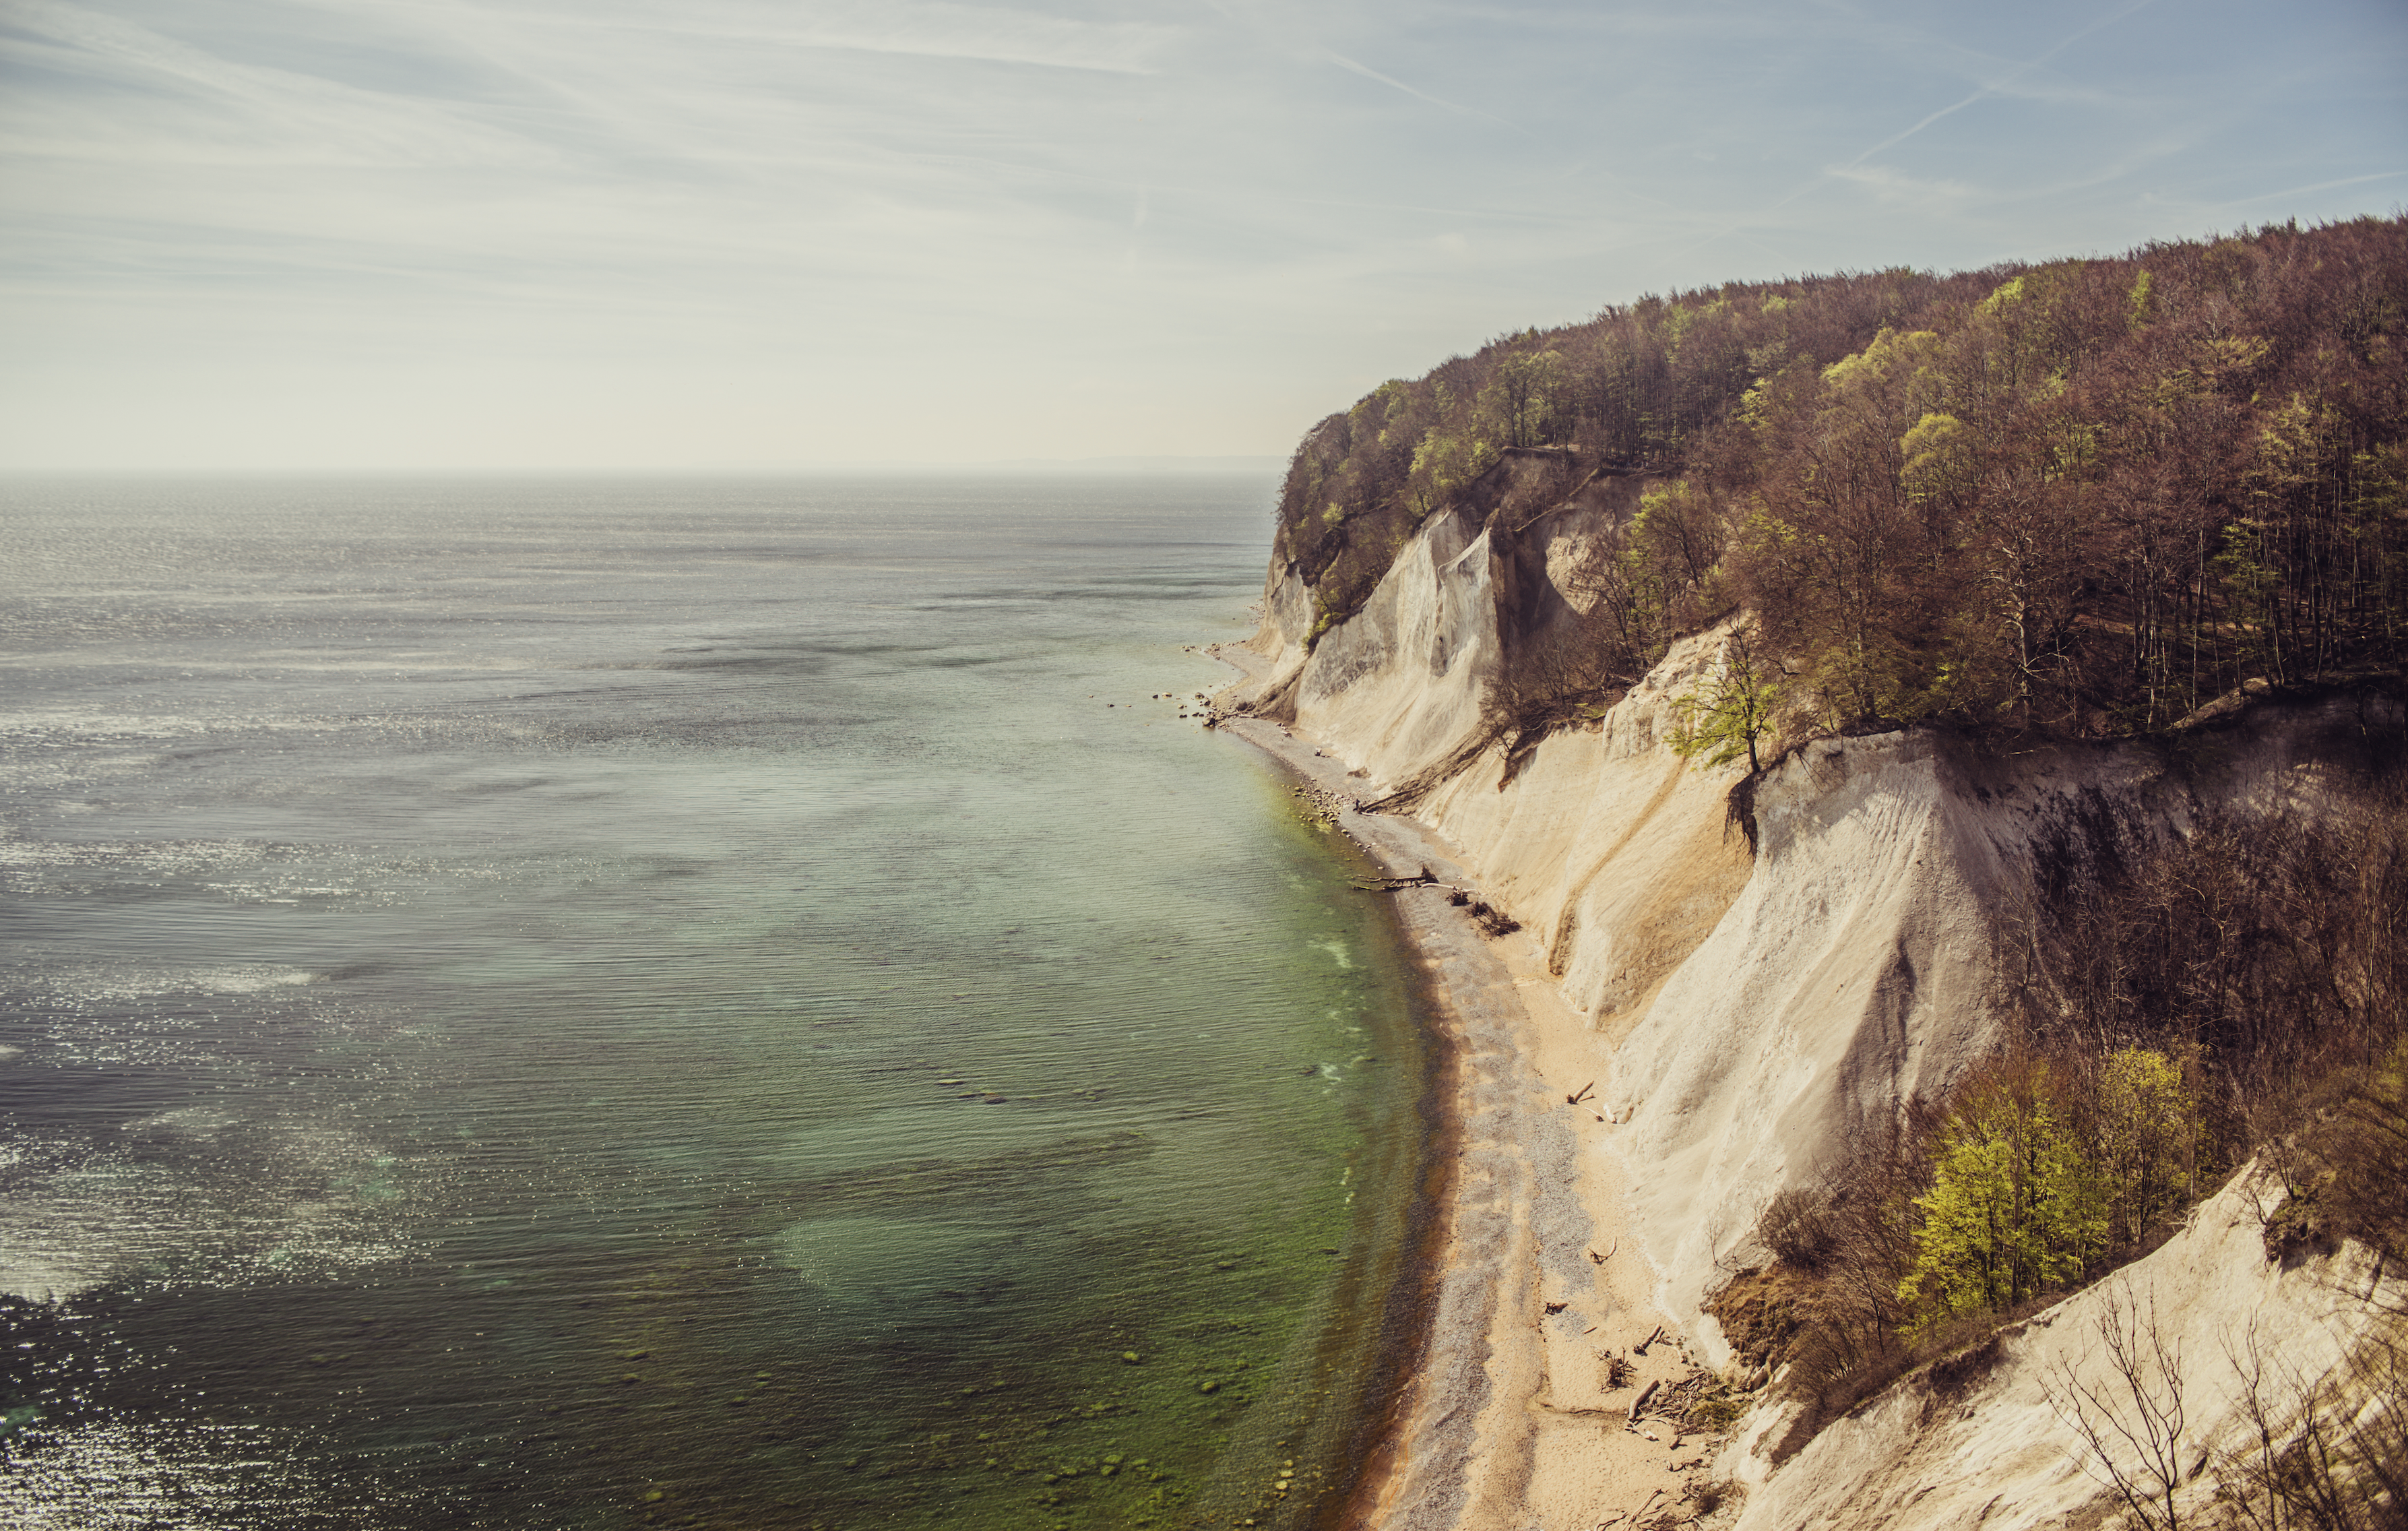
(1526, 1280)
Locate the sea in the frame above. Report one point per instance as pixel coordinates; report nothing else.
(547, 1003)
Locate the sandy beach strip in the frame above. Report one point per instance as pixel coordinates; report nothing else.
(1510, 1417)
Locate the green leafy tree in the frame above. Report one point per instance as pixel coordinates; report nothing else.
(1443, 463)
(1939, 462)
(1520, 403)
(2253, 584)
(1728, 714)
(2013, 1208)
(2149, 1138)
(2083, 496)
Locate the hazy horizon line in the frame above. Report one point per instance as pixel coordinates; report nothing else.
(1166, 464)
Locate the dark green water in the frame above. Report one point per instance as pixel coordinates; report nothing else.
(712, 1003)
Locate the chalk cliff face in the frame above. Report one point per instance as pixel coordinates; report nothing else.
(1985, 1443)
(1752, 1011)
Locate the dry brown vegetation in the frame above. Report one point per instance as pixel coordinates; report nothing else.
(2326, 1448)
(2092, 498)
(2085, 498)
(2329, 1449)
(2264, 959)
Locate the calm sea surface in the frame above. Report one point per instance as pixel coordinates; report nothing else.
(552, 1003)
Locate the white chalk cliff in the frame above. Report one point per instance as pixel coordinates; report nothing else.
(1750, 1010)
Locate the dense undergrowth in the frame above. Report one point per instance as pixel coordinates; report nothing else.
(2084, 497)
(2088, 498)
(2182, 1008)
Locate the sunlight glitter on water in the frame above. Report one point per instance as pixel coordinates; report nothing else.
(712, 1016)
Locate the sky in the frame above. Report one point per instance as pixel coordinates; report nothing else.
(666, 235)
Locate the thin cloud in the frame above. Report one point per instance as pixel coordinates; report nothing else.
(1458, 109)
(200, 107)
(1893, 186)
(1540, 216)
(398, 226)
(1852, 170)
(930, 29)
(1995, 86)
(2319, 186)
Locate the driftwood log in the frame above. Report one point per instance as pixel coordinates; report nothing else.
(1644, 1395)
(1391, 884)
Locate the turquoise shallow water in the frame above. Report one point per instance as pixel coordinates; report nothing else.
(552, 1003)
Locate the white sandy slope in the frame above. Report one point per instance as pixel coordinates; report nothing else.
(1511, 1419)
(1747, 1017)
(1991, 1448)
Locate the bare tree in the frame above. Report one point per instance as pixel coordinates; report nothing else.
(2328, 1451)
(2132, 1424)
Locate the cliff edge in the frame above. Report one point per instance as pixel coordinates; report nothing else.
(1756, 985)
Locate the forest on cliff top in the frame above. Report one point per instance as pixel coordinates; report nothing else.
(2088, 498)
(2084, 497)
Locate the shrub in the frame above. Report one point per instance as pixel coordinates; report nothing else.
(1798, 1229)
(1729, 713)
(2015, 1206)
(2149, 1140)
